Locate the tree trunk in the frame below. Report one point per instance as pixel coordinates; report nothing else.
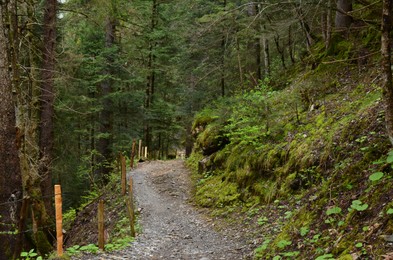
(266, 55)
(343, 19)
(305, 27)
(280, 50)
(222, 83)
(47, 102)
(386, 41)
(326, 22)
(10, 174)
(151, 78)
(106, 115)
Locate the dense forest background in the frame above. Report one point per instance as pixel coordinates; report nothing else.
(278, 96)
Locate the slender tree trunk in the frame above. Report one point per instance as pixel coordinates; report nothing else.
(239, 61)
(290, 45)
(326, 22)
(151, 78)
(106, 116)
(266, 55)
(222, 82)
(280, 50)
(10, 174)
(386, 42)
(305, 27)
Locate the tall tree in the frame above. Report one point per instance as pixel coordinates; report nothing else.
(10, 174)
(47, 100)
(386, 42)
(104, 145)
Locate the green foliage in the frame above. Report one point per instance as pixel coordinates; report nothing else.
(31, 255)
(325, 257)
(333, 210)
(284, 243)
(358, 205)
(376, 176)
(304, 231)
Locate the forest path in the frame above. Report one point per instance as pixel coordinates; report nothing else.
(171, 227)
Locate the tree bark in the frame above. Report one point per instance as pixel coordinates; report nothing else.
(47, 102)
(106, 115)
(386, 41)
(343, 19)
(10, 174)
(151, 78)
(266, 55)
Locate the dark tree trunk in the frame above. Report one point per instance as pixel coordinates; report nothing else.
(343, 19)
(106, 116)
(10, 174)
(151, 78)
(46, 139)
(386, 41)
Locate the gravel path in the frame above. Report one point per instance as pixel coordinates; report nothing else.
(172, 228)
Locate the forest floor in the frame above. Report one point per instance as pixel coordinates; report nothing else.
(172, 228)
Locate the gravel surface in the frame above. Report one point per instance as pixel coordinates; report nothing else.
(171, 227)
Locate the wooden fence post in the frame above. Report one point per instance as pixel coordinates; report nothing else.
(140, 149)
(146, 152)
(132, 154)
(59, 220)
(123, 175)
(130, 208)
(101, 238)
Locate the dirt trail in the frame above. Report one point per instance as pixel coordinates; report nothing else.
(172, 228)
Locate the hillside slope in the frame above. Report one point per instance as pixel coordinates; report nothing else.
(306, 162)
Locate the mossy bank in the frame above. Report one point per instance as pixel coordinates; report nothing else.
(311, 147)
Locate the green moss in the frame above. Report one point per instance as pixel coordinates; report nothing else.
(266, 190)
(42, 243)
(214, 192)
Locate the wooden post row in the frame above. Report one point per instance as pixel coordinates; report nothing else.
(101, 238)
(123, 175)
(59, 220)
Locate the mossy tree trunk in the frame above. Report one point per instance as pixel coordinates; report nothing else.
(10, 174)
(386, 41)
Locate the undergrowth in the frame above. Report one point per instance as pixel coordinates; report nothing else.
(317, 146)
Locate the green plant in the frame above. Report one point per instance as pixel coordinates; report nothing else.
(376, 176)
(30, 255)
(358, 205)
(74, 250)
(333, 211)
(258, 251)
(291, 254)
(325, 257)
(283, 243)
(89, 248)
(288, 214)
(262, 221)
(304, 231)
